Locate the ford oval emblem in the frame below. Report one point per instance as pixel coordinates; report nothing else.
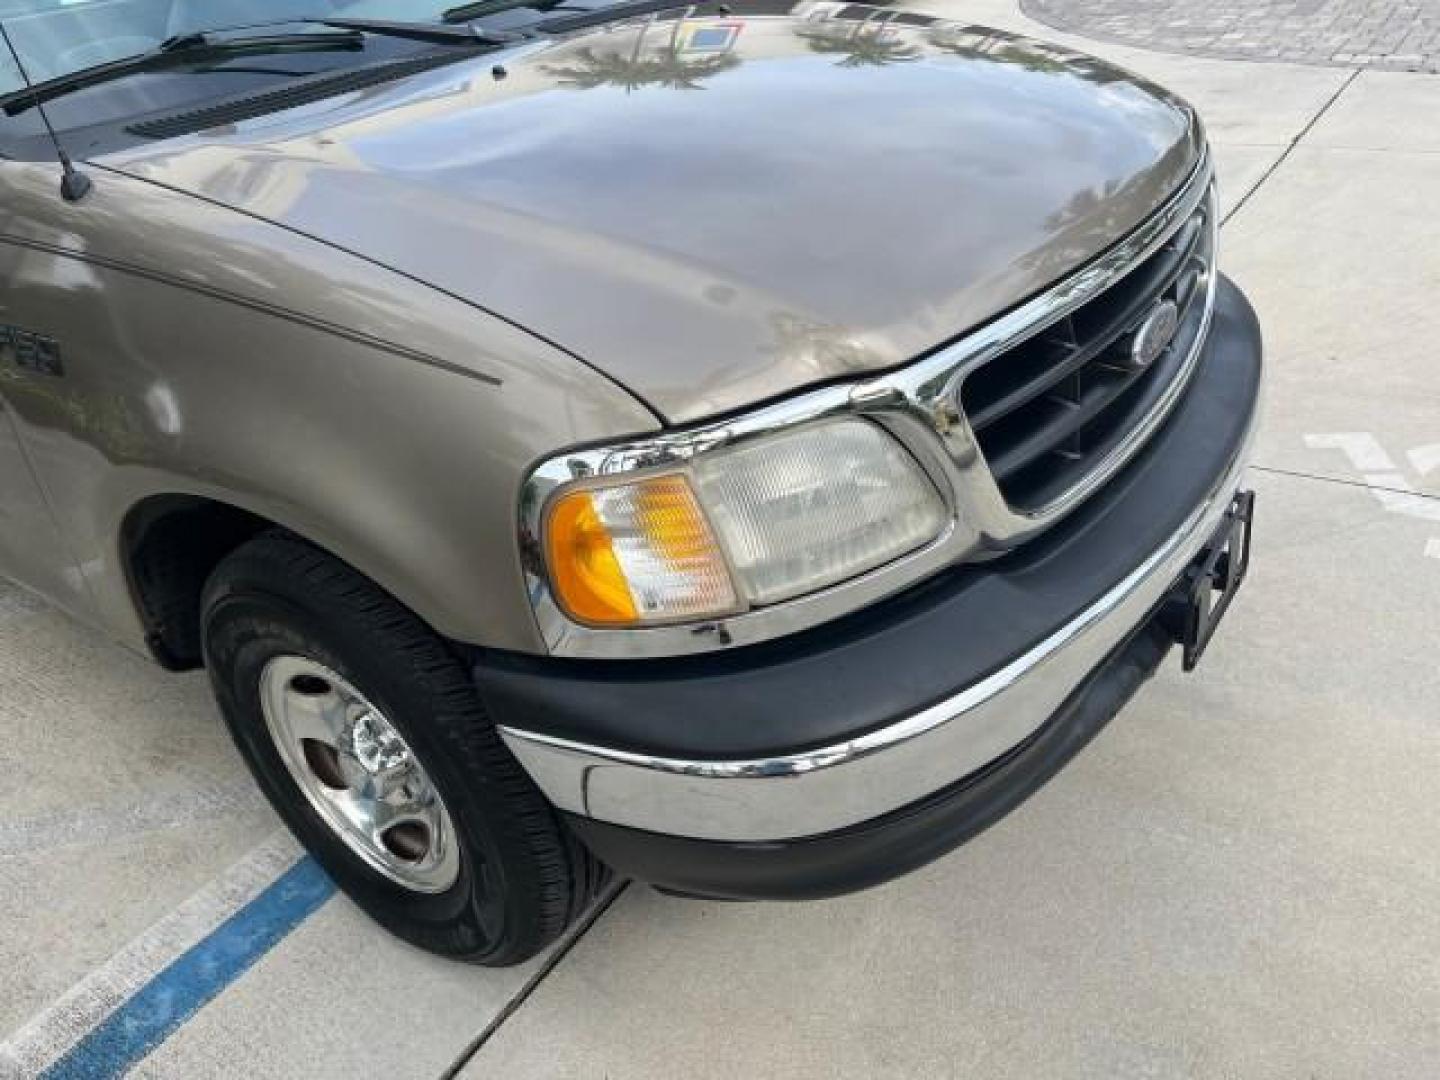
(1154, 335)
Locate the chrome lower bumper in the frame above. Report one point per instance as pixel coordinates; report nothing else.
(821, 790)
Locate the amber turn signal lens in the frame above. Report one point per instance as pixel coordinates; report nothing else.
(584, 572)
(635, 553)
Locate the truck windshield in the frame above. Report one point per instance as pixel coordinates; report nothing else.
(59, 38)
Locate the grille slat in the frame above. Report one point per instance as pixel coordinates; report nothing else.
(1069, 417)
(1048, 411)
(1041, 479)
(1142, 294)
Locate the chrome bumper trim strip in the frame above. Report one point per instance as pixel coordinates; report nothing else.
(821, 790)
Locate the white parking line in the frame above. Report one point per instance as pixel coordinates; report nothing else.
(1361, 447)
(105, 824)
(15, 602)
(1425, 459)
(47, 1037)
(1384, 478)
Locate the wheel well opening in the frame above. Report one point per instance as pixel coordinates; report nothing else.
(171, 544)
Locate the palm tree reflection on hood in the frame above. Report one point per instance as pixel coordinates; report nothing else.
(669, 66)
(859, 42)
(1042, 57)
(967, 41)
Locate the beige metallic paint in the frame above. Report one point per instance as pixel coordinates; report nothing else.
(296, 316)
(195, 379)
(741, 230)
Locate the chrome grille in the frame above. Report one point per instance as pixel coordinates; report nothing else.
(1051, 411)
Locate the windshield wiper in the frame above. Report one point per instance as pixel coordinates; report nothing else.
(624, 9)
(576, 20)
(201, 40)
(176, 52)
(202, 45)
(481, 8)
(438, 33)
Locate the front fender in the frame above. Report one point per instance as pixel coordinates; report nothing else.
(227, 358)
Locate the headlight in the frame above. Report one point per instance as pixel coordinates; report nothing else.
(764, 521)
(815, 506)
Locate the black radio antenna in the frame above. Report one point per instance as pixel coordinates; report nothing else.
(74, 184)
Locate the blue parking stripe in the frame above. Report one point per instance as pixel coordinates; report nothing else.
(159, 1007)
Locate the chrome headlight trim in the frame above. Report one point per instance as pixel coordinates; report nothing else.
(918, 405)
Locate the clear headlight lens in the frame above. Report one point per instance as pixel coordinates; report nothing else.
(817, 505)
(770, 519)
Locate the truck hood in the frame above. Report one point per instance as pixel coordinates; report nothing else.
(717, 211)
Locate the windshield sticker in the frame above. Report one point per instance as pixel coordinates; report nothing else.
(708, 36)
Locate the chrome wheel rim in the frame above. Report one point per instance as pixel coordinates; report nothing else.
(358, 773)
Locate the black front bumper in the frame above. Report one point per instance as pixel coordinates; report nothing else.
(867, 671)
(886, 847)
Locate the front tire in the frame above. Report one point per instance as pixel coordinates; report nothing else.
(368, 738)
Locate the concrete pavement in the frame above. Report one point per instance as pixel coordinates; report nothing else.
(1238, 878)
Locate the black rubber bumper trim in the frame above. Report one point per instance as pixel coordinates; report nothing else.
(888, 661)
(876, 851)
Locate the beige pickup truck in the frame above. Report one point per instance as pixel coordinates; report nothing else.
(744, 448)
